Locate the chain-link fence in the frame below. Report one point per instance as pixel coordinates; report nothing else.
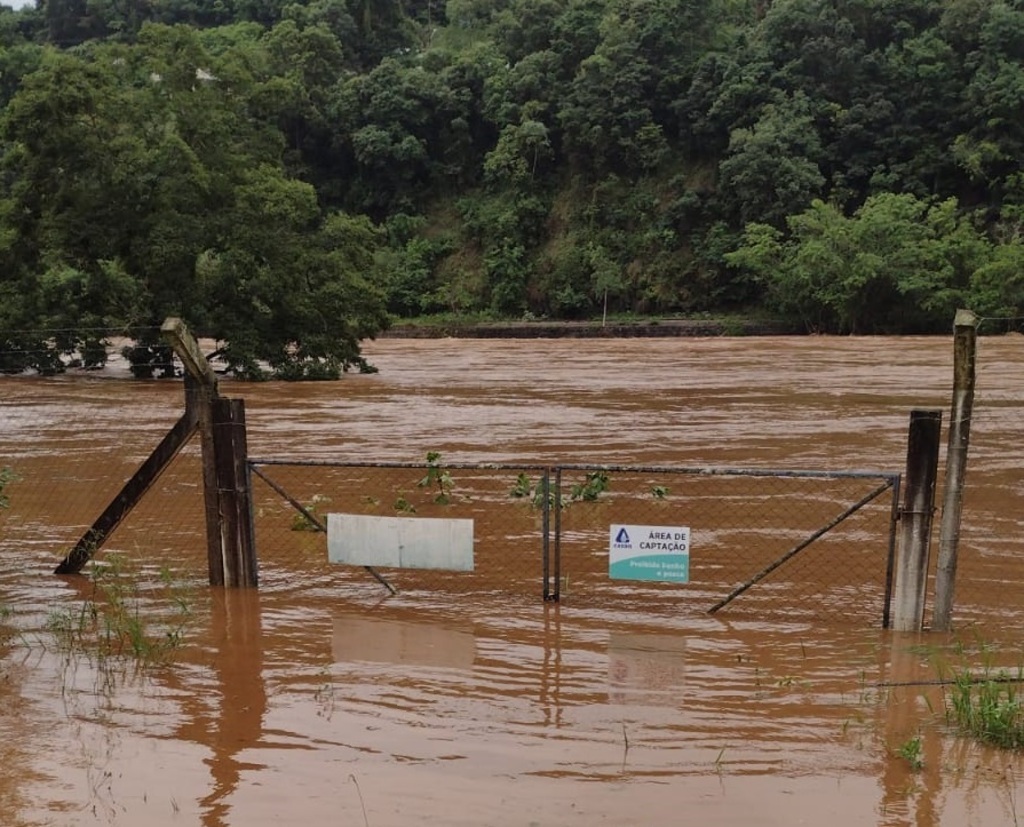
(742, 523)
(762, 543)
(803, 544)
(990, 566)
(53, 499)
(291, 500)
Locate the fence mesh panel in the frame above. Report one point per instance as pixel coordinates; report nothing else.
(55, 499)
(741, 523)
(508, 536)
(990, 566)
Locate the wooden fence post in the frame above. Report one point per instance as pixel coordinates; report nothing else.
(201, 396)
(235, 529)
(916, 516)
(200, 391)
(965, 340)
(230, 551)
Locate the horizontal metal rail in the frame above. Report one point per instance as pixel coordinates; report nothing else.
(889, 476)
(465, 466)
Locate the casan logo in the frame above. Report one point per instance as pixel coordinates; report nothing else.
(622, 540)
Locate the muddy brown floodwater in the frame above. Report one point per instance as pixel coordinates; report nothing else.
(299, 705)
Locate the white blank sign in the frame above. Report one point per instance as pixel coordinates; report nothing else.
(400, 542)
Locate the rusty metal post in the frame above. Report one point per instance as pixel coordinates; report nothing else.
(890, 559)
(916, 517)
(965, 339)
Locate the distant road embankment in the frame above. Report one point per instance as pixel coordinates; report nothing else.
(662, 328)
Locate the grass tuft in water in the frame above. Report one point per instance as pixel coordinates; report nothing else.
(910, 751)
(990, 709)
(120, 620)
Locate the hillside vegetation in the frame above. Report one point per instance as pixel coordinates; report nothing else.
(289, 177)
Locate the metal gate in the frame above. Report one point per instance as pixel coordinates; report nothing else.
(762, 542)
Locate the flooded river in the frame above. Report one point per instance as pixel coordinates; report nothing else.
(308, 703)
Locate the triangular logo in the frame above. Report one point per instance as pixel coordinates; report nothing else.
(622, 536)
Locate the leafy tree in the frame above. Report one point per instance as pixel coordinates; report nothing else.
(17, 61)
(506, 231)
(899, 263)
(514, 161)
(526, 27)
(670, 36)
(394, 122)
(140, 186)
(409, 267)
(518, 156)
(382, 30)
(606, 117)
(523, 90)
(772, 169)
(997, 286)
(991, 146)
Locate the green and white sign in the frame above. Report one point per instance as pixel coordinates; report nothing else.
(649, 552)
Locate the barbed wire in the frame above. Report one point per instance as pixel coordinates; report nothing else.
(1015, 321)
(55, 349)
(125, 330)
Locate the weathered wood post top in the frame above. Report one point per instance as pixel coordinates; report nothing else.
(177, 334)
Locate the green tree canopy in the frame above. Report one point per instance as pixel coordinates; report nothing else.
(898, 263)
(141, 185)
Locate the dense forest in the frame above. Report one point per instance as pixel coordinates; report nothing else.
(291, 177)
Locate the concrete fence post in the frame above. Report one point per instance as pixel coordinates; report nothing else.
(916, 518)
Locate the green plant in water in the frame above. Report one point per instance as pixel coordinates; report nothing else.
(438, 478)
(324, 695)
(910, 751)
(403, 506)
(990, 710)
(522, 488)
(5, 631)
(302, 522)
(659, 492)
(525, 488)
(593, 485)
(116, 621)
(7, 476)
